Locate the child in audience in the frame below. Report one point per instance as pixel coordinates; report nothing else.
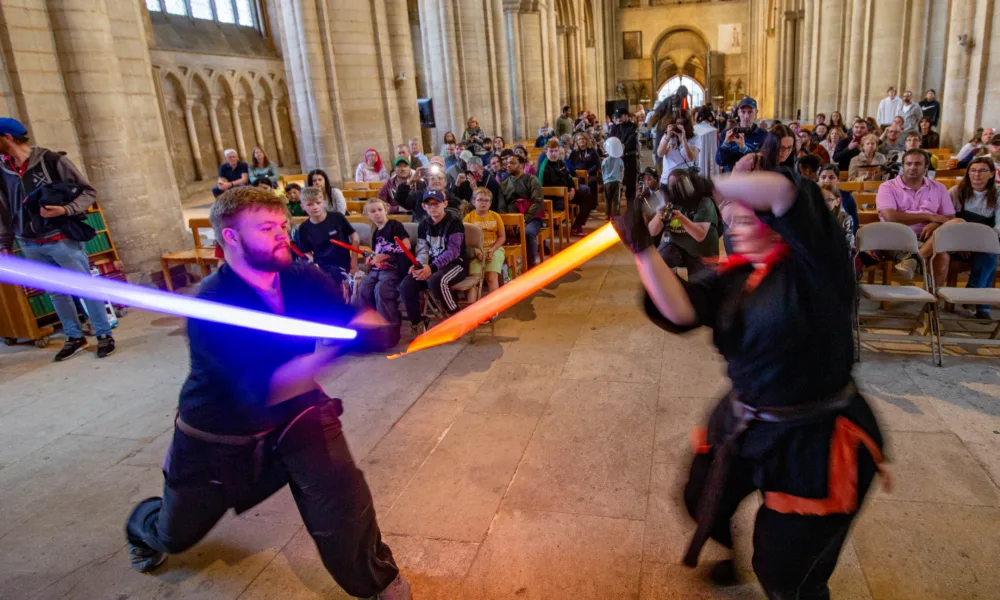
(314, 236)
(386, 268)
(612, 171)
(832, 198)
(293, 193)
(494, 238)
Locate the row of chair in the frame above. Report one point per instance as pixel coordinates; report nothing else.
(949, 238)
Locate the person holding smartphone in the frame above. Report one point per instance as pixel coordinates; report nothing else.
(674, 148)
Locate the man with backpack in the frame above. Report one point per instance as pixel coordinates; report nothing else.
(43, 198)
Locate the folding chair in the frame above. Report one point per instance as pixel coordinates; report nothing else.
(201, 256)
(895, 237)
(967, 237)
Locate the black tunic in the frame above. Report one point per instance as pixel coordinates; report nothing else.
(787, 342)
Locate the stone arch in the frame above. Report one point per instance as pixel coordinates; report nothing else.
(588, 24)
(285, 125)
(679, 44)
(174, 97)
(200, 88)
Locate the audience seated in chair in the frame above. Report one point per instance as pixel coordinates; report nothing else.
(232, 173)
(261, 167)
(371, 168)
(522, 193)
(976, 200)
(494, 237)
(386, 268)
(334, 198)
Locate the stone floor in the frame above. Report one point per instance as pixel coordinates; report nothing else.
(542, 463)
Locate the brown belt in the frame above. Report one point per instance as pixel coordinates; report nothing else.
(715, 483)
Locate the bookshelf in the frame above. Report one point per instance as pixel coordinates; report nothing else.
(28, 314)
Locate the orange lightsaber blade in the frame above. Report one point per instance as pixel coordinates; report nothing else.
(518, 289)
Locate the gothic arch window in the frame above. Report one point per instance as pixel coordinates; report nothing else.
(696, 93)
(237, 12)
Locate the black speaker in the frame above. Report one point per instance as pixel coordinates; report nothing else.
(612, 105)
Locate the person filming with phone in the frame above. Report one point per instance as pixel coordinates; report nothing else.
(674, 148)
(741, 140)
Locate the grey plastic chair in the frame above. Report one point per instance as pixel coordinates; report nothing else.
(895, 237)
(967, 237)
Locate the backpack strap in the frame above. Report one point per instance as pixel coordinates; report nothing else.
(50, 163)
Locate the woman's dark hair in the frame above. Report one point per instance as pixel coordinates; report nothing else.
(965, 190)
(327, 188)
(253, 159)
(769, 149)
(453, 139)
(830, 167)
(683, 118)
(266, 181)
(836, 119)
(975, 138)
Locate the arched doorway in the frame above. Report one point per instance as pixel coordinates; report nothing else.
(680, 51)
(696, 92)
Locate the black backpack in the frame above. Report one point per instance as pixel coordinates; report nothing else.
(59, 193)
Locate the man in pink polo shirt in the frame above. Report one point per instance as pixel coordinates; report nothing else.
(922, 204)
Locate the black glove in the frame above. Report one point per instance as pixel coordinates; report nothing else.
(632, 228)
(688, 189)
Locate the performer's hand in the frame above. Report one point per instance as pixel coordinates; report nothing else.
(51, 212)
(632, 228)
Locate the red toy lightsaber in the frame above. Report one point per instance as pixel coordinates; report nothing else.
(406, 251)
(364, 253)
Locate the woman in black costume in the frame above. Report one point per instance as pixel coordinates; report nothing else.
(794, 425)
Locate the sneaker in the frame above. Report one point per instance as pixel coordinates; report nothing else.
(105, 346)
(907, 267)
(70, 348)
(421, 327)
(399, 589)
(145, 560)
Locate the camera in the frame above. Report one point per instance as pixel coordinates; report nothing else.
(741, 130)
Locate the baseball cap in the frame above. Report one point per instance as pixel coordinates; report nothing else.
(747, 101)
(651, 172)
(401, 160)
(9, 126)
(995, 140)
(434, 196)
(465, 155)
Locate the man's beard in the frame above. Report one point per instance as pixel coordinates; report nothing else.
(267, 261)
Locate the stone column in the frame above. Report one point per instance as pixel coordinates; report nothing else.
(956, 90)
(120, 140)
(553, 55)
(192, 131)
(500, 50)
(279, 143)
(856, 37)
(787, 110)
(806, 62)
(547, 71)
(562, 59)
(916, 48)
(255, 118)
(573, 96)
(512, 22)
(213, 123)
(234, 109)
(829, 75)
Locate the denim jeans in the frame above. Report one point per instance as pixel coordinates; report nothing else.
(531, 231)
(984, 268)
(71, 255)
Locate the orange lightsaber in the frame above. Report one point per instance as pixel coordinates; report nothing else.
(406, 251)
(518, 289)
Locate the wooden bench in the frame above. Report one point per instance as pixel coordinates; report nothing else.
(546, 233)
(865, 199)
(354, 185)
(356, 206)
(361, 218)
(359, 194)
(957, 173)
(948, 182)
(199, 255)
(284, 180)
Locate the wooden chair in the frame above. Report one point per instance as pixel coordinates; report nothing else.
(356, 206)
(561, 218)
(865, 199)
(871, 186)
(375, 185)
(546, 233)
(199, 255)
(354, 185)
(843, 175)
(355, 195)
(511, 251)
(867, 216)
(945, 173)
(948, 182)
(300, 179)
(851, 186)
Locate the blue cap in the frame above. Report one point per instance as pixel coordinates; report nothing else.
(747, 101)
(9, 126)
(434, 195)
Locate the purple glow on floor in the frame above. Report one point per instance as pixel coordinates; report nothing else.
(19, 271)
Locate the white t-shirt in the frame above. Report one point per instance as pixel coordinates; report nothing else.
(675, 158)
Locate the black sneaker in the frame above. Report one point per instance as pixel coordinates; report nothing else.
(70, 348)
(145, 560)
(105, 346)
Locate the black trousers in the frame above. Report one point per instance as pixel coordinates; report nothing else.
(586, 199)
(438, 284)
(631, 178)
(204, 480)
(793, 555)
(675, 256)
